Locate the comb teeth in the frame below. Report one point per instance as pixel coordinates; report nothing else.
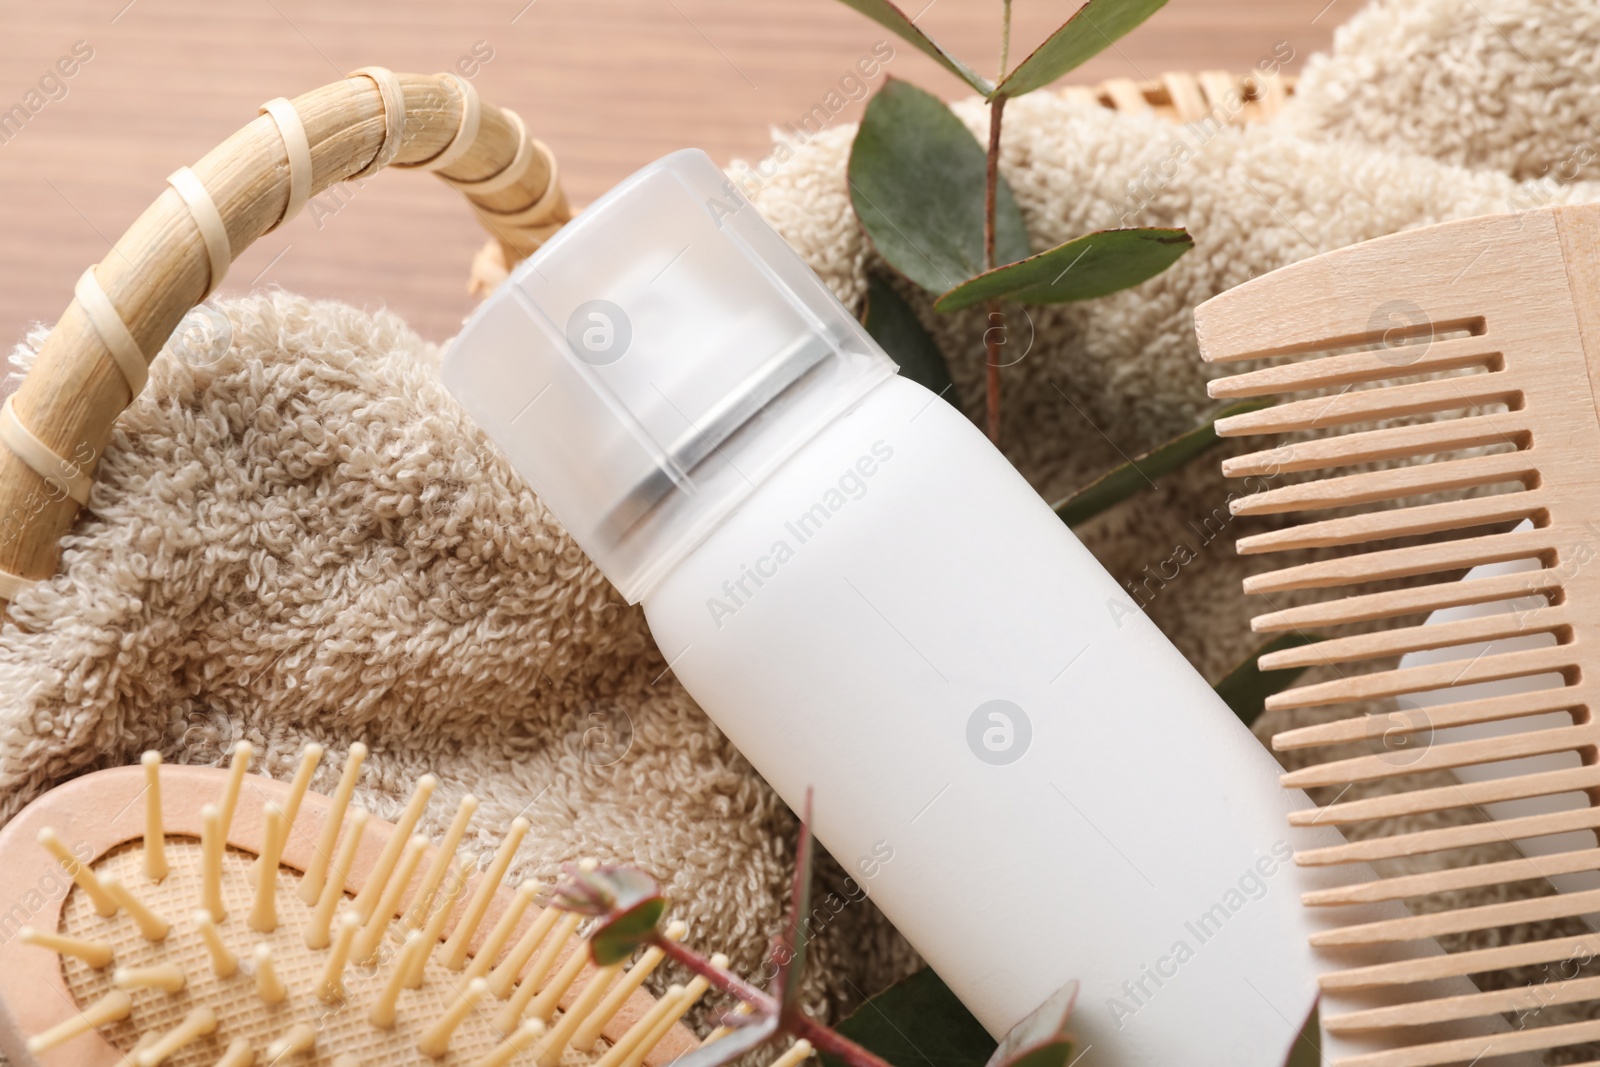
(1420, 347)
(1412, 561)
(1380, 445)
(1401, 522)
(1426, 355)
(1392, 484)
(1348, 408)
(241, 983)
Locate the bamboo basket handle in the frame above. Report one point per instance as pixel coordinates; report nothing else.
(93, 364)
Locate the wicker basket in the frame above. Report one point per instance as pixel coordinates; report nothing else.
(95, 360)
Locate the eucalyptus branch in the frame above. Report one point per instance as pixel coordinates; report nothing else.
(915, 172)
(726, 981)
(628, 906)
(797, 1022)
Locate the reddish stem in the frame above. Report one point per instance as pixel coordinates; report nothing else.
(825, 1040)
(993, 336)
(991, 183)
(731, 984)
(800, 1024)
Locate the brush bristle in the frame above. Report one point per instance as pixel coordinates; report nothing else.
(261, 968)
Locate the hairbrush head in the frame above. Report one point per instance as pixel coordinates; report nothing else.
(198, 916)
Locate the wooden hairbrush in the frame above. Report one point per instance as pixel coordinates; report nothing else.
(201, 916)
(1457, 362)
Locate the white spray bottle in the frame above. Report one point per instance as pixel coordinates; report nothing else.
(1027, 778)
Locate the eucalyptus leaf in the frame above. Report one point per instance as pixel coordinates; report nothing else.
(1084, 268)
(1305, 1052)
(886, 14)
(1043, 1026)
(895, 326)
(1095, 26)
(797, 927)
(603, 890)
(1121, 482)
(1057, 1053)
(1247, 687)
(946, 1034)
(917, 185)
(615, 939)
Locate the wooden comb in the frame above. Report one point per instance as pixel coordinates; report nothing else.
(1448, 411)
(195, 916)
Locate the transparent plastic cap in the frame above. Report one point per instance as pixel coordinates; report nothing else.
(659, 357)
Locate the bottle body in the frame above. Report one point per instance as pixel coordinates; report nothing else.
(866, 597)
(1007, 756)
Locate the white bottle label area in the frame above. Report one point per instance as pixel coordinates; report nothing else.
(1007, 756)
(742, 586)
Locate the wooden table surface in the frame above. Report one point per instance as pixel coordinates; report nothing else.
(608, 84)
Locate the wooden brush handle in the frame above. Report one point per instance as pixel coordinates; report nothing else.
(61, 417)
